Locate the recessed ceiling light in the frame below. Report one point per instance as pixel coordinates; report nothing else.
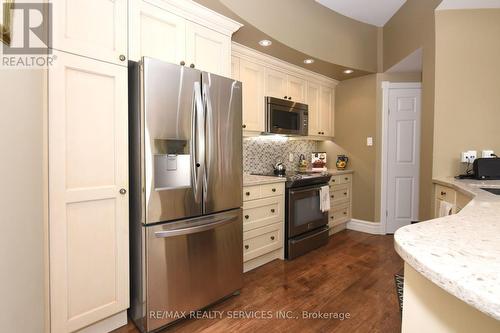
(265, 42)
(308, 61)
(348, 71)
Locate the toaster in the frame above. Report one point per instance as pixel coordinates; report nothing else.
(486, 168)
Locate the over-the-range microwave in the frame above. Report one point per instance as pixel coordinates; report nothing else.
(286, 117)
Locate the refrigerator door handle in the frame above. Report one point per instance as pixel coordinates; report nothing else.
(196, 229)
(198, 142)
(208, 136)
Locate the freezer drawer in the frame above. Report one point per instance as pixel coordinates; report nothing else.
(192, 264)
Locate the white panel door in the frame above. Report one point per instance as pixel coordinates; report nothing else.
(403, 157)
(314, 113)
(156, 33)
(88, 183)
(252, 78)
(326, 100)
(208, 50)
(296, 89)
(92, 28)
(276, 84)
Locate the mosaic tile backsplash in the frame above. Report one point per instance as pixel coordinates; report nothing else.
(260, 153)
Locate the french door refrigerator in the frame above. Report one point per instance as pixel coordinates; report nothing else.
(185, 191)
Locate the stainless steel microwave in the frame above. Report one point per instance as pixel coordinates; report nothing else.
(286, 117)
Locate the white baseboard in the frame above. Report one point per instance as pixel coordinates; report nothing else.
(368, 227)
(107, 325)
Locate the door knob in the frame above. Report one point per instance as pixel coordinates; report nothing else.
(182, 63)
(244, 126)
(192, 65)
(123, 191)
(122, 57)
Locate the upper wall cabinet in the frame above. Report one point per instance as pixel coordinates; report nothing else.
(181, 32)
(263, 75)
(95, 29)
(281, 85)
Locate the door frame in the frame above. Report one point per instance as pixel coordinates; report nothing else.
(386, 87)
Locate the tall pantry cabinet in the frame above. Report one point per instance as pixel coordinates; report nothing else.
(88, 140)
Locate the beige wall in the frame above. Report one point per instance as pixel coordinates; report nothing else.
(410, 28)
(310, 28)
(22, 281)
(355, 119)
(467, 105)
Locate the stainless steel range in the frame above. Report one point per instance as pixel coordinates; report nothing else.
(306, 226)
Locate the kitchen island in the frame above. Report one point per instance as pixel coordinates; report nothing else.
(452, 265)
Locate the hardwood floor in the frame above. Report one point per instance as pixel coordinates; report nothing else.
(352, 274)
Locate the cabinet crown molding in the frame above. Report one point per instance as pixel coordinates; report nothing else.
(197, 13)
(268, 61)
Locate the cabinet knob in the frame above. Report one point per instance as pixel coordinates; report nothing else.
(244, 126)
(290, 98)
(346, 178)
(332, 196)
(319, 132)
(286, 97)
(123, 191)
(443, 193)
(272, 237)
(182, 63)
(246, 247)
(274, 190)
(272, 210)
(247, 217)
(122, 57)
(191, 66)
(333, 180)
(345, 213)
(247, 194)
(331, 217)
(345, 193)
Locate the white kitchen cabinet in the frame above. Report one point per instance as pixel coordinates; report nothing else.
(88, 184)
(313, 92)
(252, 77)
(296, 89)
(208, 50)
(235, 68)
(320, 99)
(156, 33)
(95, 29)
(276, 83)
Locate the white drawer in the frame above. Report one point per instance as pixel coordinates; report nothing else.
(263, 240)
(339, 194)
(262, 212)
(341, 179)
(270, 190)
(263, 191)
(446, 193)
(339, 215)
(251, 192)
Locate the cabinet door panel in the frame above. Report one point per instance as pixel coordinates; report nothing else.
(92, 28)
(88, 217)
(156, 33)
(313, 92)
(252, 77)
(296, 89)
(276, 83)
(235, 68)
(208, 50)
(326, 108)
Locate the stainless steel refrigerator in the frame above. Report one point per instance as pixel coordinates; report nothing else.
(185, 190)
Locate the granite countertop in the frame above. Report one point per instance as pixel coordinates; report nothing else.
(460, 253)
(339, 172)
(249, 180)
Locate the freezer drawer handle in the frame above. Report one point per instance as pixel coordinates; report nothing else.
(194, 230)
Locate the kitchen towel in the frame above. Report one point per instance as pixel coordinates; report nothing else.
(445, 208)
(324, 198)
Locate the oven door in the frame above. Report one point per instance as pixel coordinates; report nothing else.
(304, 213)
(286, 120)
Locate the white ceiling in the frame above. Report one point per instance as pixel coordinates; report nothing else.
(375, 12)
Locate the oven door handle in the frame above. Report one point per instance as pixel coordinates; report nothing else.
(292, 192)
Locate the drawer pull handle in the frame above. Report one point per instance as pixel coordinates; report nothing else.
(345, 193)
(345, 213)
(331, 217)
(346, 178)
(272, 210)
(272, 237)
(333, 180)
(332, 196)
(246, 247)
(247, 194)
(274, 190)
(443, 193)
(247, 217)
